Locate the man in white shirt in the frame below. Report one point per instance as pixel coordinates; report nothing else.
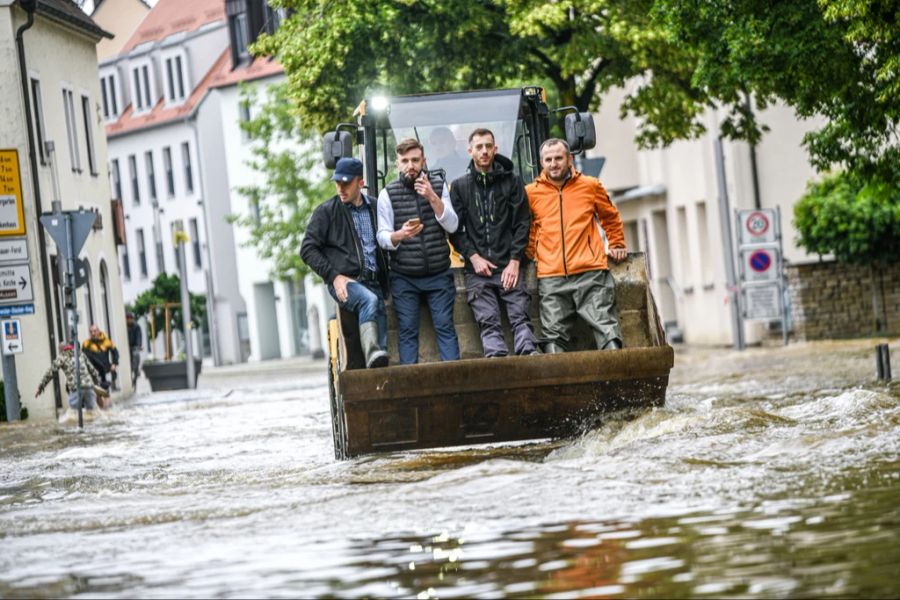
(413, 223)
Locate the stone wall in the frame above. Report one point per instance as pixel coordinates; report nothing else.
(832, 300)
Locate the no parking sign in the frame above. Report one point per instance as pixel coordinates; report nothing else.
(760, 264)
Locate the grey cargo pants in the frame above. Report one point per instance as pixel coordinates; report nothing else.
(484, 295)
(591, 295)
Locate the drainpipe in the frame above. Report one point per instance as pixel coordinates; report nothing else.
(754, 172)
(29, 6)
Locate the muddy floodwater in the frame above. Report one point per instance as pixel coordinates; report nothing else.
(770, 473)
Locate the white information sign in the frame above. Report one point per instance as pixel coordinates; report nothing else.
(12, 336)
(758, 226)
(13, 251)
(15, 284)
(760, 264)
(762, 301)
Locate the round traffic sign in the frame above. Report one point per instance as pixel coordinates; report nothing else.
(760, 261)
(757, 223)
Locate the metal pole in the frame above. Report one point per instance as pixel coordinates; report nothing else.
(11, 388)
(782, 279)
(180, 237)
(73, 316)
(737, 326)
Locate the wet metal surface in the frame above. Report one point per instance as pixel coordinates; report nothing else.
(767, 474)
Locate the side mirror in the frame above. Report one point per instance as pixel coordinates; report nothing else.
(580, 133)
(336, 145)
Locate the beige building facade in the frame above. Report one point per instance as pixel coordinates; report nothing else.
(63, 92)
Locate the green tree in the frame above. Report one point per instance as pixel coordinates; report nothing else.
(335, 52)
(838, 59)
(289, 158)
(856, 221)
(166, 288)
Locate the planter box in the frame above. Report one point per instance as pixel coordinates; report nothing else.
(169, 374)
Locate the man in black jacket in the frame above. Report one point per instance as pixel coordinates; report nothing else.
(340, 246)
(494, 222)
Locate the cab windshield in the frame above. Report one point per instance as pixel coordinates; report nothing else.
(442, 124)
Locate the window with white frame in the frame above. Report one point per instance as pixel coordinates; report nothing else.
(110, 96)
(176, 79)
(71, 129)
(151, 174)
(170, 174)
(195, 242)
(38, 117)
(188, 171)
(143, 92)
(89, 135)
(133, 175)
(142, 252)
(115, 178)
(244, 115)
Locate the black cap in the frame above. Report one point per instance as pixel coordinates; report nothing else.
(346, 169)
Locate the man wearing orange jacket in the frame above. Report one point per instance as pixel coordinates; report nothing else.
(573, 278)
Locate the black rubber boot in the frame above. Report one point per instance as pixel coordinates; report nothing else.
(368, 338)
(613, 344)
(553, 348)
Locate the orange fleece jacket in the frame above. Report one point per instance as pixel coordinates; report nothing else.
(564, 239)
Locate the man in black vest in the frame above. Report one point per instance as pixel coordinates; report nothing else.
(340, 246)
(494, 222)
(414, 217)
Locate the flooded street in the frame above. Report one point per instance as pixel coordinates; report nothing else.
(769, 473)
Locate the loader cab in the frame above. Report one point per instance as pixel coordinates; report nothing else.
(519, 119)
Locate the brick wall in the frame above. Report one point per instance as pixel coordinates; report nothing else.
(832, 300)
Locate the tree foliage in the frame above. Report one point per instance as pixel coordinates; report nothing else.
(293, 181)
(166, 288)
(837, 59)
(856, 222)
(334, 53)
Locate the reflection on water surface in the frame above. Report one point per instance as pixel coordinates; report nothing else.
(770, 473)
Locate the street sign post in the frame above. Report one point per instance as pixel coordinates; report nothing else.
(759, 226)
(15, 284)
(11, 332)
(12, 210)
(763, 301)
(14, 250)
(761, 268)
(69, 230)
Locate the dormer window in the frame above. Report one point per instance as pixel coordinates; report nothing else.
(176, 79)
(143, 92)
(239, 38)
(109, 88)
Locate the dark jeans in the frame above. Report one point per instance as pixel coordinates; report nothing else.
(440, 294)
(591, 295)
(484, 295)
(366, 300)
(135, 365)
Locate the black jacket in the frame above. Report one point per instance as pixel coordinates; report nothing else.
(494, 219)
(331, 246)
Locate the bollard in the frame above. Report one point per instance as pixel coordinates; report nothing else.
(883, 362)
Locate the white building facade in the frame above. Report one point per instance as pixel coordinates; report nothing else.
(669, 202)
(177, 154)
(64, 101)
